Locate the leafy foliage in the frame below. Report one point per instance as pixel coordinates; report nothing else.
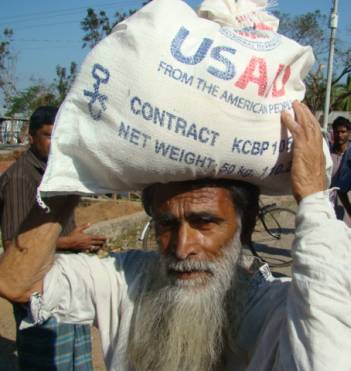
(341, 95)
(97, 25)
(29, 99)
(64, 81)
(4, 47)
(40, 93)
(312, 29)
(306, 29)
(7, 66)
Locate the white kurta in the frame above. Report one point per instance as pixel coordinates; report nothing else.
(304, 324)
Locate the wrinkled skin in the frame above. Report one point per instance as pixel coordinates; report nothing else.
(308, 167)
(193, 223)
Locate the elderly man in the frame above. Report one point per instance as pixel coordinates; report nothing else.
(189, 307)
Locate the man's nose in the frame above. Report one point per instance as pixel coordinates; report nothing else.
(185, 242)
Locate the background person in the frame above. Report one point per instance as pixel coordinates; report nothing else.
(341, 156)
(51, 346)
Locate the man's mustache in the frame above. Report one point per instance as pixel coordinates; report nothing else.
(189, 265)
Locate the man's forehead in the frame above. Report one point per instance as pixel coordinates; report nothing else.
(46, 128)
(191, 196)
(341, 128)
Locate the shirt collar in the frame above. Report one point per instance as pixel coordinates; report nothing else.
(35, 160)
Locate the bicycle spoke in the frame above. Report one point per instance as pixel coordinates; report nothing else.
(274, 235)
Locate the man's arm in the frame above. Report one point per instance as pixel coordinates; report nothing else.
(76, 241)
(31, 254)
(316, 327)
(19, 198)
(306, 325)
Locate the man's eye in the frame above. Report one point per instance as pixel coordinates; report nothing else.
(165, 225)
(202, 223)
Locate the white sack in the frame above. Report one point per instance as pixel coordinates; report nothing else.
(173, 95)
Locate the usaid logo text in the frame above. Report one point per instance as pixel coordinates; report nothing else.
(254, 73)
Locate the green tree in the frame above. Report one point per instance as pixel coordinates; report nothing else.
(306, 29)
(64, 80)
(8, 61)
(97, 25)
(5, 47)
(341, 96)
(29, 99)
(315, 89)
(312, 29)
(40, 93)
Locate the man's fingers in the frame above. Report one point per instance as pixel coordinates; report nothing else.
(98, 238)
(301, 114)
(89, 248)
(97, 244)
(314, 124)
(98, 241)
(289, 122)
(308, 160)
(305, 123)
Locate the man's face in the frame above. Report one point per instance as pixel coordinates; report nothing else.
(192, 287)
(41, 140)
(193, 225)
(341, 135)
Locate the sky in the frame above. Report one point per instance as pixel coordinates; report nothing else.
(47, 33)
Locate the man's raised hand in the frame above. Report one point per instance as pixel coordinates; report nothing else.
(308, 167)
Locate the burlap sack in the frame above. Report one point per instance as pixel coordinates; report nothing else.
(173, 94)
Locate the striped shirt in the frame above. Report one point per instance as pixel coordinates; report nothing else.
(50, 346)
(18, 189)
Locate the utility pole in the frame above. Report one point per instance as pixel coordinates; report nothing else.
(333, 24)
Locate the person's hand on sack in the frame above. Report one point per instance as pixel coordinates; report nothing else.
(78, 240)
(308, 174)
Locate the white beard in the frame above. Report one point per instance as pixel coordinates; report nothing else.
(179, 325)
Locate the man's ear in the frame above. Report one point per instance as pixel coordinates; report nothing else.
(30, 138)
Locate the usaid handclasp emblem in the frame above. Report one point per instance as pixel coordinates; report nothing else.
(259, 37)
(97, 103)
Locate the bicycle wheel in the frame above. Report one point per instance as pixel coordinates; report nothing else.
(274, 235)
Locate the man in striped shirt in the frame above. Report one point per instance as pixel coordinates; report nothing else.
(51, 346)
